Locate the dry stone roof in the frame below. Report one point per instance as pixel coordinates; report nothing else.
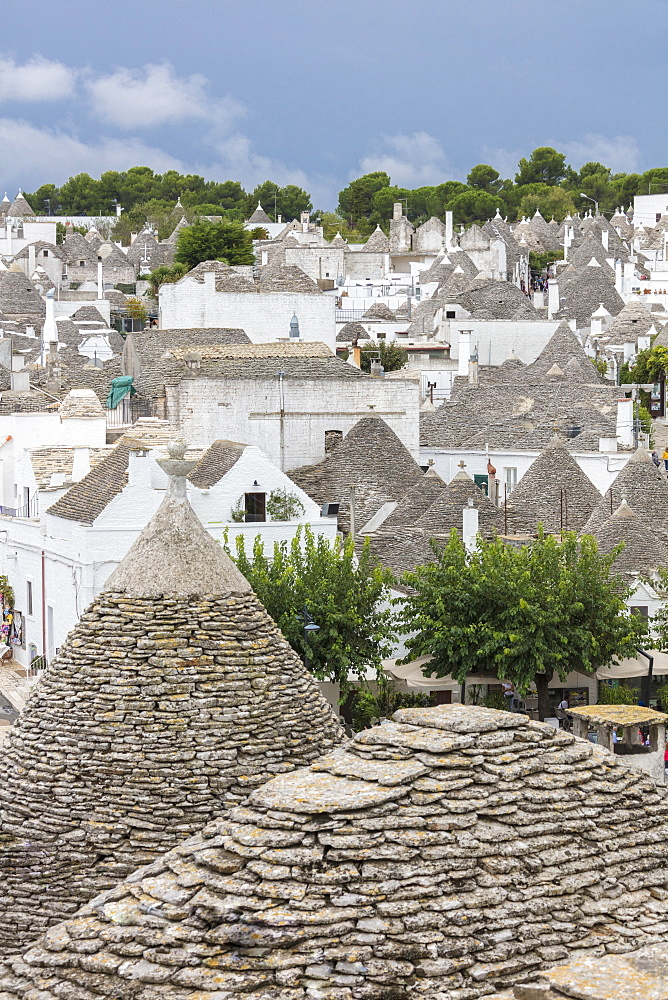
(215, 463)
(259, 216)
(371, 457)
(173, 697)
(401, 548)
(227, 279)
(89, 314)
(644, 550)
(379, 311)
(19, 298)
(81, 404)
(582, 290)
(378, 242)
(350, 332)
(426, 491)
(451, 852)
(445, 514)
(75, 248)
(554, 492)
(19, 208)
(278, 277)
(631, 322)
(48, 463)
(643, 487)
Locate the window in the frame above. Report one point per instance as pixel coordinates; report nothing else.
(510, 478)
(29, 610)
(45, 253)
(82, 263)
(256, 507)
(642, 610)
(449, 313)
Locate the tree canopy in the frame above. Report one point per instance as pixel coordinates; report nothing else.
(392, 356)
(226, 241)
(519, 614)
(347, 597)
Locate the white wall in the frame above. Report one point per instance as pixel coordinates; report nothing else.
(248, 410)
(264, 316)
(77, 559)
(526, 338)
(601, 467)
(646, 207)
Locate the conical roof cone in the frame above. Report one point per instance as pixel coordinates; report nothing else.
(554, 492)
(643, 487)
(643, 552)
(173, 697)
(325, 886)
(417, 501)
(446, 513)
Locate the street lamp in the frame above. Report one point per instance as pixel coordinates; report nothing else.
(306, 619)
(582, 195)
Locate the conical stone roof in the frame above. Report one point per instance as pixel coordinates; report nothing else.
(379, 311)
(420, 497)
(173, 697)
(19, 208)
(373, 459)
(377, 242)
(451, 852)
(643, 552)
(643, 487)
(446, 513)
(554, 492)
(259, 216)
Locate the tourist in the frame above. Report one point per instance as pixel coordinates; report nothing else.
(665, 457)
(510, 694)
(562, 709)
(656, 459)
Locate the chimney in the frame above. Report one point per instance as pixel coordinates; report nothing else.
(8, 237)
(376, 369)
(100, 284)
(448, 230)
(31, 259)
(52, 369)
(464, 352)
(470, 526)
(20, 381)
(552, 299)
(473, 367)
(139, 468)
(294, 327)
(49, 330)
(624, 429)
(305, 219)
(80, 464)
(280, 219)
(118, 210)
(356, 354)
(397, 211)
(604, 238)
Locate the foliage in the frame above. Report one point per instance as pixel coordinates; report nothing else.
(485, 178)
(356, 200)
(662, 697)
(550, 202)
(288, 202)
(391, 356)
(226, 241)
(659, 622)
(600, 365)
(347, 596)
(164, 274)
(6, 592)
(284, 506)
(544, 166)
(368, 707)
(473, 206)
(238, 512)
(540, 261)
(649, 366)
(495, 699)
(136, 309)
(521, 614)
(618, 695)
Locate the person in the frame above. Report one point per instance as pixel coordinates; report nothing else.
(656, 459)
(510, 694)
(562, 709)
(665, 457)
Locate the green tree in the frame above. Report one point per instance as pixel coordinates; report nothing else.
(80, 195)
(384, 199)
(288, 202)
(654, 181)
(544, 166)
(356, 200)
(346, 595)
(519, 614)
(473, 206)
(164, 275)
(226, 241)
(391, 356)
(45, 200)
(649, 365)
(485, 178)
(550, 201)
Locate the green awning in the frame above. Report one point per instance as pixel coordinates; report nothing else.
(120, 388)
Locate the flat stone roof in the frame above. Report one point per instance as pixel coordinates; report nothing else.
(618, 715)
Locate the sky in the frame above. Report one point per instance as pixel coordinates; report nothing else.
(317, 92)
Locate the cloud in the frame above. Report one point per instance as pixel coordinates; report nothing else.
(155, 95)
(39, 79)
(41, 154)
(503, 160)
(410, 160)
(620, 153)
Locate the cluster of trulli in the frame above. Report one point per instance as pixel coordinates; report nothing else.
(173, 698)
(449, 853)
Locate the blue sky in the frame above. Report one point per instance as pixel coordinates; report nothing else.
(316, 92)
